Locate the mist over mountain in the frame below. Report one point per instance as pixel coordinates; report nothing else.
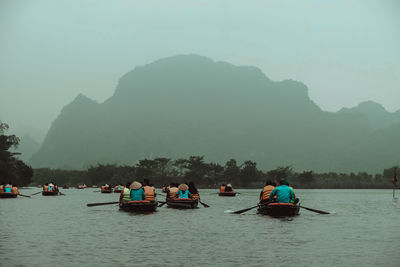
(190, 105)
(27, 147)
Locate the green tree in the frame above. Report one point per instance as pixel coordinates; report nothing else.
(12, 170)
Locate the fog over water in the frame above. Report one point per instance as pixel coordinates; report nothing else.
(345, 52)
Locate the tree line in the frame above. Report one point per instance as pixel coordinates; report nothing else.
(162, 171)
(12, 170)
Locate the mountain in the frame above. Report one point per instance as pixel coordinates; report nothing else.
(190, 105)
(27, 147)
(377, 115)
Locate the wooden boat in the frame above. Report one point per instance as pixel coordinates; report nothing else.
(276, 209)
(139, 206)
(118, 189)
(182, 203)
(50, 193)
(8, 195)
(227, 194)
(106, 190)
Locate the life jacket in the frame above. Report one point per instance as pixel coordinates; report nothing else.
(126, 194)
(102, 188)
(14, 190)
(173, 191)
(267, 191)
(1, 188)
(149, 192)
(222, 189)
(196, 196)
(45, 188)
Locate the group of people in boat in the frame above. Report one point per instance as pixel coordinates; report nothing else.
(182, 191)
(137, 191)
(9, 188)
(50, 187)
(226, 188)
(283, 193)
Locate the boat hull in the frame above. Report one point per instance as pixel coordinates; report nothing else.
(227, 194)
(8, 195)
(106, 191)
(182, 203)
(279, 209)
(49, 193)
(139, 206)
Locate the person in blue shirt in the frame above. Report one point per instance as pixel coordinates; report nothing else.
(183, 191)
(283, 193)
(137, 192)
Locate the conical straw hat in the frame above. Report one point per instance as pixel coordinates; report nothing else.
(135, 185)
(183, 187)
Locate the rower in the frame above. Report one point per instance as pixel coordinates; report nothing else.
(173, 189)
(8, 188)
(294, 199)
(265, 193)
(229, 188)
(125, 195)
(149, 190)
(222, 188)
(14, 190)
(193, 190)
(283, 193)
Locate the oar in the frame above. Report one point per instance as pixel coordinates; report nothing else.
(97, 191)
(204, 204)
(23, 195)
(37, 193)
(62, 193)
(162, 203)
(314, 210)
(103, 203)
(244, 210)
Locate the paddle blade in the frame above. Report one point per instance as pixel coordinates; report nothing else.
(103, 203)
(204, 204)
(314, 210)
(241, 211)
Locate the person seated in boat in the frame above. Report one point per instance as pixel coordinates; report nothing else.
(50, 187)
(265, 193)
(193, 190)
(14, 190)
(183, 191)
(137, 192)
(222, 188)
(283, 193)
(229, 188)
(1, 188)
(8, 188)
(46, 187)
(165, 188)
(294, 199)
(125, 195)
(173, 189)
(149, 190)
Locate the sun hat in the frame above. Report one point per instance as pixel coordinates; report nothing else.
(229, 185)
(183, 187)
(135, 185)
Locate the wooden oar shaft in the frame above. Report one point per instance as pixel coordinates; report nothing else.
(23, 195)
(314, 210)
(37, 193)
(103, 203)
(244, 210)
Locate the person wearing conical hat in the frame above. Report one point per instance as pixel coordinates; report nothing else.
(183, 191)
(228, 188)
(137, 192)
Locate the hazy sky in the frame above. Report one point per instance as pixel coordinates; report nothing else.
(345, 51)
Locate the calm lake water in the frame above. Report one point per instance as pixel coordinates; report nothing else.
(62, 231)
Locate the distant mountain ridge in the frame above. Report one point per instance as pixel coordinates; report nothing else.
(190, 105)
